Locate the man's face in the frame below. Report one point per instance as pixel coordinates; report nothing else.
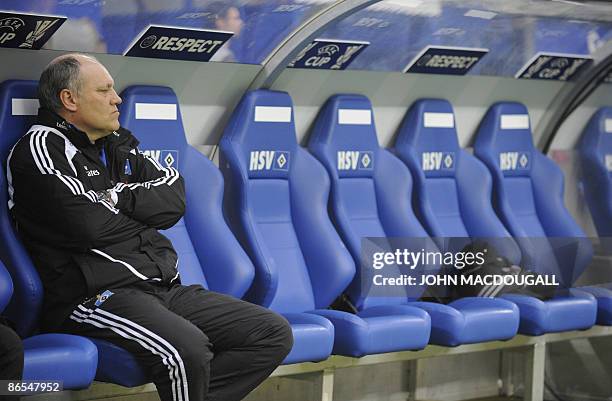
(97, 101)
(232, 21)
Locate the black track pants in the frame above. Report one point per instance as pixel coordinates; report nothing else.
(197, 344)
(11, 357)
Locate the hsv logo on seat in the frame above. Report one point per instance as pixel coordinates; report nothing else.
(261, 160)
(513, 161)
(355, 160)
(168, 158)
(432, 161)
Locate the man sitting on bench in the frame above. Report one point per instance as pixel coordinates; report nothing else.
(88, 206)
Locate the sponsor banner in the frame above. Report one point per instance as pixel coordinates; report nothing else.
(324, 54)
(175, 43)
(27, 31)
(553, 66)
(445, 60)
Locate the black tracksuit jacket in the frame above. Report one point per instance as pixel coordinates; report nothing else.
(80, 244)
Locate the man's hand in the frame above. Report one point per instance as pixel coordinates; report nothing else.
(108, 195)
(155, 196)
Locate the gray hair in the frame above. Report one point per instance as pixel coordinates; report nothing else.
(61, 73)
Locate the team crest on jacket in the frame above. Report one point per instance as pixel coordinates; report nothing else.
(101, 298)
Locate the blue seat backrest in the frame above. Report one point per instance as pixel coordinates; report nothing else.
(371, 188)
(276, 198)
(452, 187)
(209, 254)
(19, 106)
(596, 157)
(528, 192)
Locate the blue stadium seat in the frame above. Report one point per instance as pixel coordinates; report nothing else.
(427, 134)
(202, 237)
(373, 199)
(68, 358)
(63, 357)
(528, 198)
(595, 149)
(596, 157)
(452, 188)
(209, 254)
(276, 199)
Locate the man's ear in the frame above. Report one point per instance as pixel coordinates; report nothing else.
(68, 100)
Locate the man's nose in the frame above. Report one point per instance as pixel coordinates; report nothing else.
(117, 99)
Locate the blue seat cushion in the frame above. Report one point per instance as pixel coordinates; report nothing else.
(603, 295)
(313, 338)
(379, 329)
(116, 365)
(575, 311)
(67, 358)
(471, 320)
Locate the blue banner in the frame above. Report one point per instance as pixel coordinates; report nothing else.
(324, 54)
(445, 60)
(553, 66)
(27, 31)
(178, 43)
